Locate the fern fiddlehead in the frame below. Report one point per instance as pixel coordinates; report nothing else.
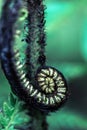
(41, 86)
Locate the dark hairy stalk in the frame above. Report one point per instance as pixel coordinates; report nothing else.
(36, 39)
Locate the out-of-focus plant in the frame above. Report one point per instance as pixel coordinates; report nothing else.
(12, 115)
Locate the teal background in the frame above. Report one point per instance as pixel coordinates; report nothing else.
(66, 49)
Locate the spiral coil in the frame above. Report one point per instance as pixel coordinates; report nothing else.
(49, 89)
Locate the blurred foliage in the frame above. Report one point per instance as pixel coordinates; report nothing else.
(66, 28)
(67, 121)
(12, 115)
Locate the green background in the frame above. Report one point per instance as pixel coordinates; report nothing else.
(66, 49)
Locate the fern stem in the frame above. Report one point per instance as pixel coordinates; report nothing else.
(38, 121)
(36, 37)
(36, 53)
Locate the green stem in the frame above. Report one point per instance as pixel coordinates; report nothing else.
(38, 121)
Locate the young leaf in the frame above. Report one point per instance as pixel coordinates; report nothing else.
(13, 114)
(7, 110)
